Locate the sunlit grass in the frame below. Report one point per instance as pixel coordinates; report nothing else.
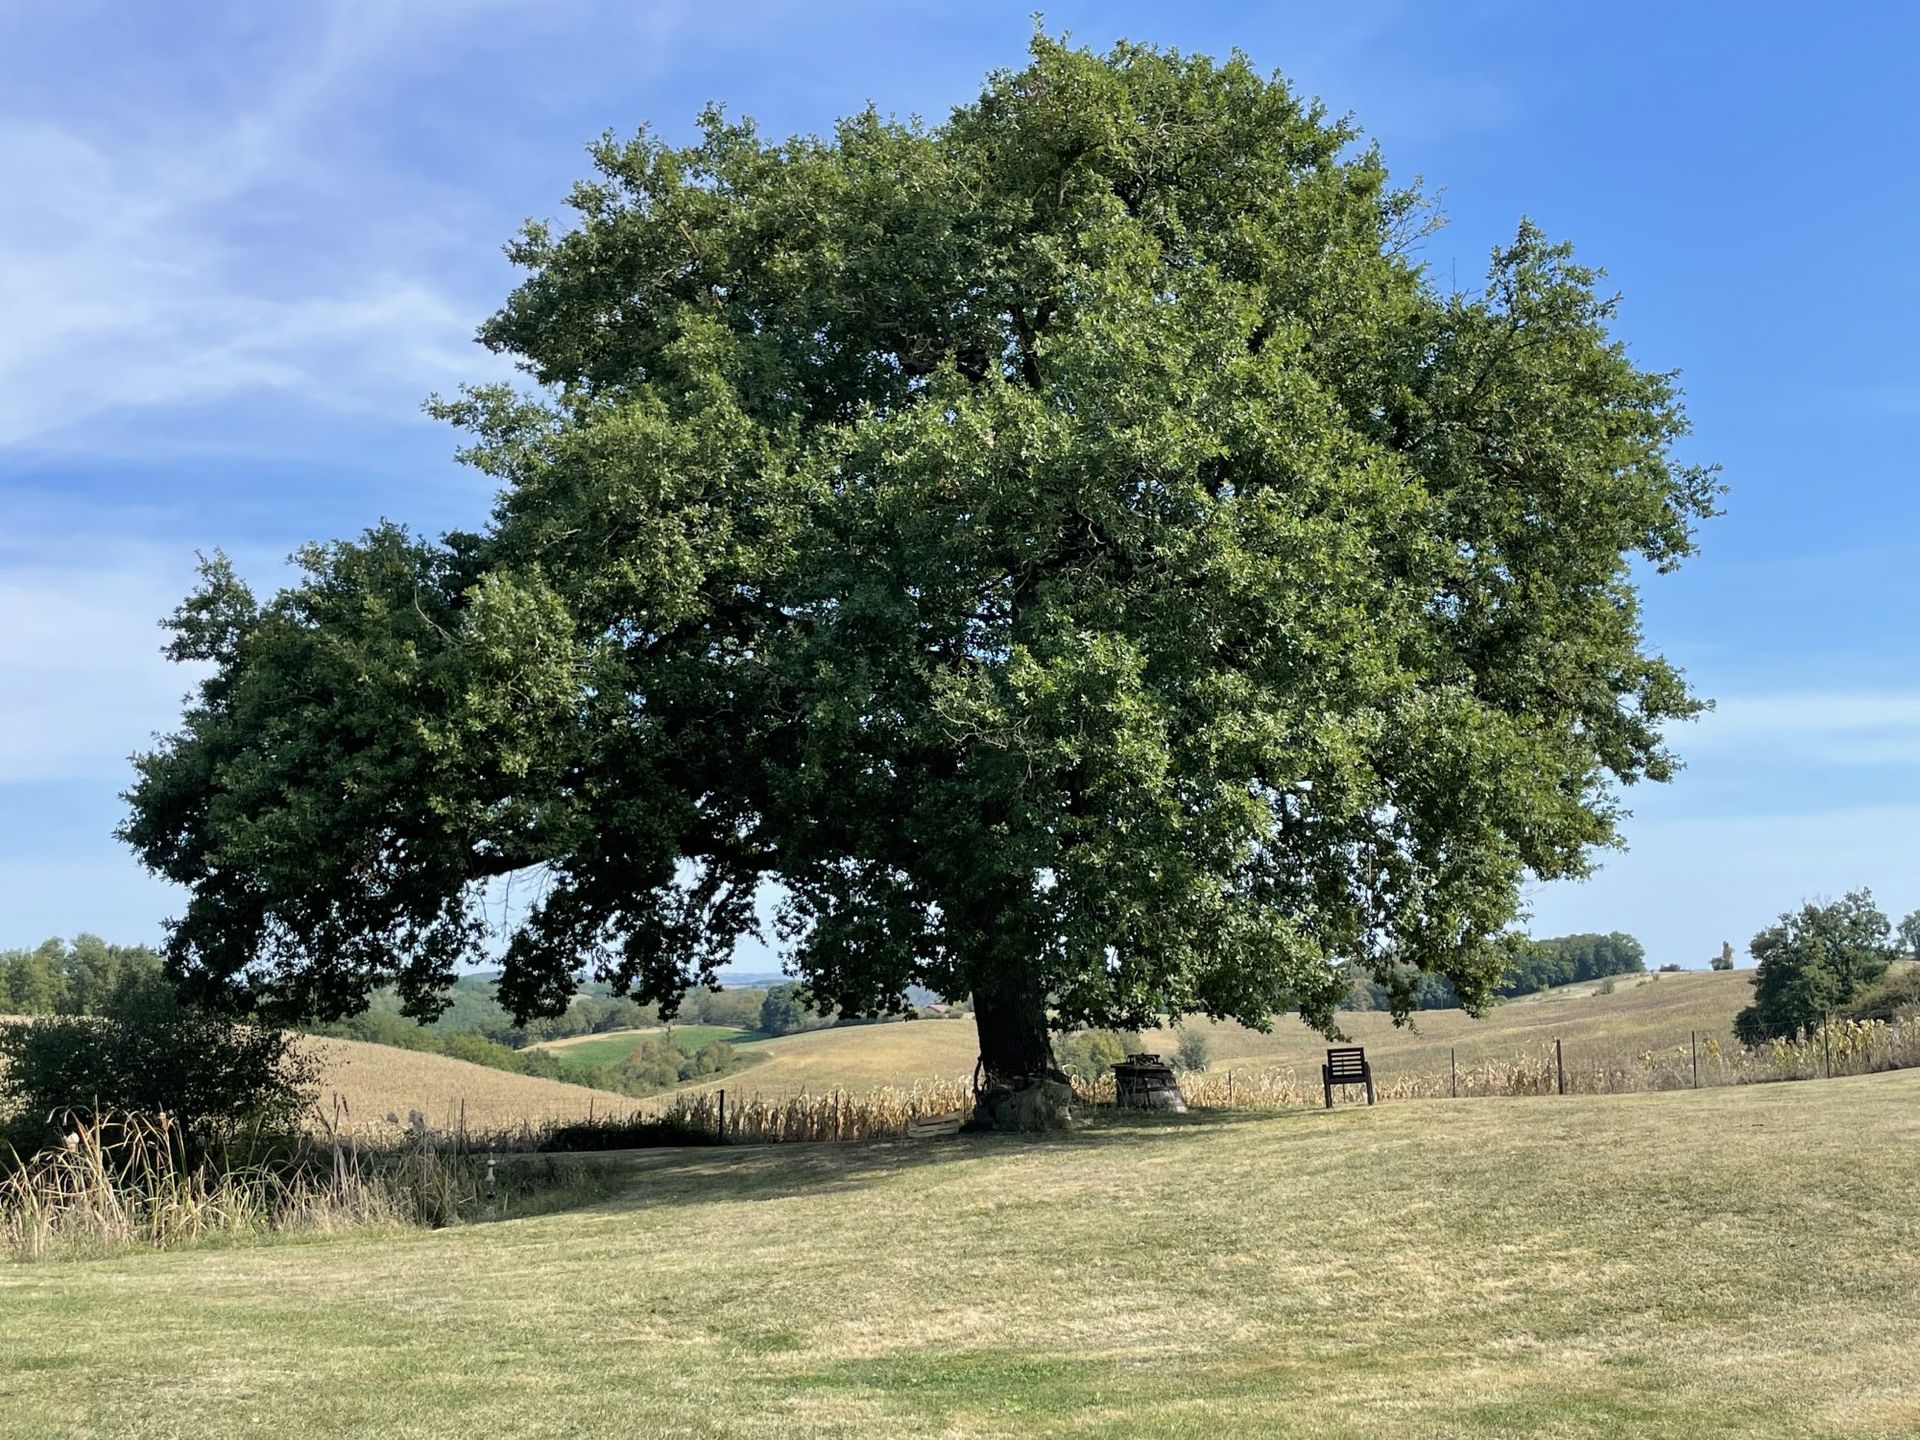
(1733, 1262)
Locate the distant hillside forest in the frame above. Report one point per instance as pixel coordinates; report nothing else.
(77, 977)
(1532, 965)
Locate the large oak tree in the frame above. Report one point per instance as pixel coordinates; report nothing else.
(1074, 552)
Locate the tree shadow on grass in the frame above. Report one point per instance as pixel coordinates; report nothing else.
(724, 1174)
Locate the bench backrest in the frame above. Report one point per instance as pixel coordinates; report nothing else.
(1347, 1063)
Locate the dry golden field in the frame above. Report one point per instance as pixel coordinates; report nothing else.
(857, 1057)
(379, 1081)
(1644, 1012)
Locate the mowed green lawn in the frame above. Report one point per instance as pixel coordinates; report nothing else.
(1733, 1262)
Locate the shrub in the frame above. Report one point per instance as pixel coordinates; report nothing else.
(1897, 997)
(1089, 1054)
(657, 1064)
(1195, 1049)
(149, 1055)
(631, 1133)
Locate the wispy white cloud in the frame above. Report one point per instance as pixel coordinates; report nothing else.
(186, 256)
(1838, 727)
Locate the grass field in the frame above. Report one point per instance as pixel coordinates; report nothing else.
(1736, 1262)
(1642, 1013)
(604, 1049)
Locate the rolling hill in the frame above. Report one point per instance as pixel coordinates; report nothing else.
(379, 1081)
(1643, 1012)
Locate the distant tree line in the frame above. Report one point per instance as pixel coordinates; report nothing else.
(1423, 991)
(1567, 959)
(60, 977)
(1530, 965)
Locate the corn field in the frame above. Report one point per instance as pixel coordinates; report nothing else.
(836, 1115)
(1842, 1047)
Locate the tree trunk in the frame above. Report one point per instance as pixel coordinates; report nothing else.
(1019, 1087)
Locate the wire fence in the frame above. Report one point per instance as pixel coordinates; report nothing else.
(1697, 1060)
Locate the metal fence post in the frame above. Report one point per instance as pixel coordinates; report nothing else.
(723, 1112)
(1453, 1065)
(1696, 1059)
(1560, 1064)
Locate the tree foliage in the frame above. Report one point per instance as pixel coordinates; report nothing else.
(979, 530)
(787, 1009)
(1909, 931)
(1813, 962)
(77, 977)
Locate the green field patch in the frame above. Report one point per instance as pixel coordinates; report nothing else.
(616, 1045)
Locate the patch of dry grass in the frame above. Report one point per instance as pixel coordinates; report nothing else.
(1735, 1262)
(858, 1058)
(380, 1081)
(1644, 1012)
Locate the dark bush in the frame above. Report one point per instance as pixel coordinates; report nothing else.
(1896, 997)
(147, 1055)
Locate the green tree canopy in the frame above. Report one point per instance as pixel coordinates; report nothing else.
(785, 1009)
(1909, 932)
(1073, 549)
(1813, 962)
(78, 977)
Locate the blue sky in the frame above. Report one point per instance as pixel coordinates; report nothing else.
(239, 244)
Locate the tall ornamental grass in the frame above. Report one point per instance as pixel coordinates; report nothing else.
(137, 1182)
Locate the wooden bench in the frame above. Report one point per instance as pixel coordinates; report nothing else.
(1346, 1065)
